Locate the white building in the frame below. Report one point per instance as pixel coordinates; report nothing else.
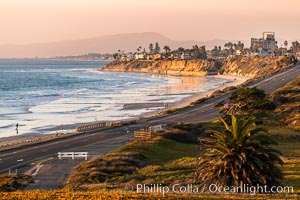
(140, 56)
(186, 56)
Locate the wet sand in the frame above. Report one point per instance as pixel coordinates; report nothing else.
(232, 81)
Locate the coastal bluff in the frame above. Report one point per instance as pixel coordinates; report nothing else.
(242, 66)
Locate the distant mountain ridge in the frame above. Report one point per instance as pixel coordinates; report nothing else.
(128, 42)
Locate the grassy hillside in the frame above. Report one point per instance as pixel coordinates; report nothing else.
(288, 100)
(161, 160)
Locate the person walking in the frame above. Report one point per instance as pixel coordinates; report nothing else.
(17, 127)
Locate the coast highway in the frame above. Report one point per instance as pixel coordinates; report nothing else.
(107, 139)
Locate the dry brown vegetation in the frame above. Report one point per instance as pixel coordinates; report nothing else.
(288, 99)
(255, 66)
(166, 159)
(10, 183)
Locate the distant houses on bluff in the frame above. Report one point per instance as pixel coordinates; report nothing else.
(265, 46)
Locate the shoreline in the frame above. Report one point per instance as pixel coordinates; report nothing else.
(232, 81)
(187, 101)
(29, 138)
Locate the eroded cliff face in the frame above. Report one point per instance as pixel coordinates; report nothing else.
(169, 67)
(254, 66)
(244, 66)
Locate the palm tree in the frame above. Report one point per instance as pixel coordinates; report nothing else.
(119, 53)
(285, 43)
(239, 154)
(157, 48)
(167, 49)
(230, 45)
(215, 51)
(139, 49)
(151, 48)
(296, 46)
(229, 49)
(226, 45)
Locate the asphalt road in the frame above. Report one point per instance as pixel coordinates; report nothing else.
(53, 173)
(21, 158)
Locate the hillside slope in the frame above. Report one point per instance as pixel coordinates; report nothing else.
(288, 99)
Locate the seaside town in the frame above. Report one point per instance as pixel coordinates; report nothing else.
(128, 99)
(264, 46)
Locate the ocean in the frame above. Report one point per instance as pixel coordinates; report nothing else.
(42, 94)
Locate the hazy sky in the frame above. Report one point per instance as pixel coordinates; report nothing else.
(28, 21)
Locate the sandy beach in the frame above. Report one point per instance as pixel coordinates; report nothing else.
(231, 81)
(19, 140)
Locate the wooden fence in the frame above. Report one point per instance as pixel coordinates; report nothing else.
(97, 125)
(90, 127)
(143, 134)
(148, 134)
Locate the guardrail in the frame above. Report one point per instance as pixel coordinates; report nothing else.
(97, 125)
(72, 155)
(156, 128)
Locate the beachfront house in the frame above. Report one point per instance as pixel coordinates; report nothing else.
(154, 56)
(186, 55)
(238, 52)
(127, 57)
(176, 55)
(283, 51)
(140, 56)
(210, 54)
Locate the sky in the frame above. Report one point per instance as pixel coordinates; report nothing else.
(34, 21)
